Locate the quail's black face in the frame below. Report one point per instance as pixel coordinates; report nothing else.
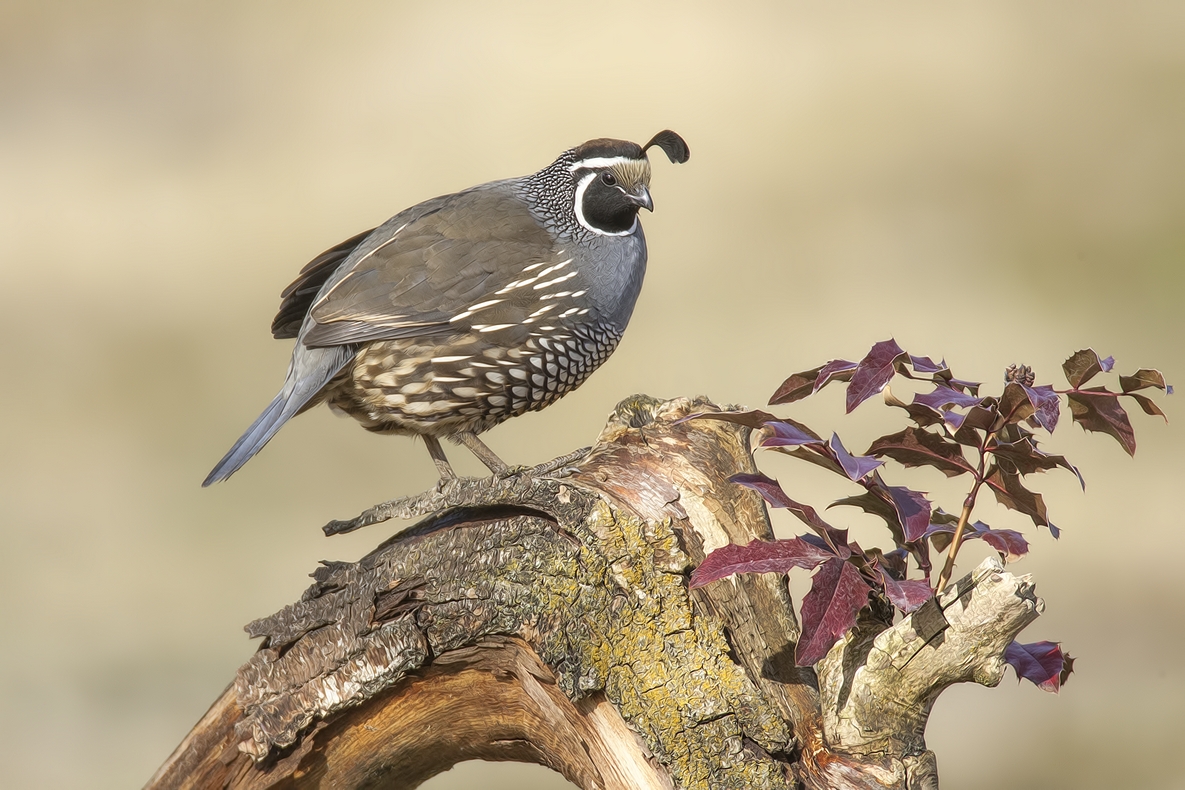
(609, 192)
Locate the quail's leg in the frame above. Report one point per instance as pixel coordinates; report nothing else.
(483, 453)
(437, 453)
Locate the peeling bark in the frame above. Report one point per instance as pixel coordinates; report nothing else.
(545, 617)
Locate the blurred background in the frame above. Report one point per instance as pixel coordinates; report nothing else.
(989, 182)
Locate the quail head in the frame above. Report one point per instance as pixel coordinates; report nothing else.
(465, 310)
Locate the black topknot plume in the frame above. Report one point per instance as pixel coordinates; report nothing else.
(672, 145)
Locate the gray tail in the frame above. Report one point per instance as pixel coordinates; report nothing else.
(310, 371)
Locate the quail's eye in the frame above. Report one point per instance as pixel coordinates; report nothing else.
(608, 179)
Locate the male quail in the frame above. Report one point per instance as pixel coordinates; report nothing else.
(469, 309)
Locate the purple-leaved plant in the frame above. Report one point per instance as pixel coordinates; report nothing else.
(991, 439)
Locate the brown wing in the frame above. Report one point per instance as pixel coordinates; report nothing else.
(425, 270)
(298, 297)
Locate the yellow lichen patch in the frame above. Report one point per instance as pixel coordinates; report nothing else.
(666, 670)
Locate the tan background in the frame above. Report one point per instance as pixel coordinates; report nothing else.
(990, 182)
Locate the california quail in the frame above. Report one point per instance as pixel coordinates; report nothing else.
(471, 308)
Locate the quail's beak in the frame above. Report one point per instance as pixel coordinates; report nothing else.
(640, 197)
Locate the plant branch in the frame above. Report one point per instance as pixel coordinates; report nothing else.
(956, 542)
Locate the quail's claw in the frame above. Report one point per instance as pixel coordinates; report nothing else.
(562, 466)
(514, 471)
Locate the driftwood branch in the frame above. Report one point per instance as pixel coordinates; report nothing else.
(545, 617)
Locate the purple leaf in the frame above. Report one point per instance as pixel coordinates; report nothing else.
(914, 447)
(922, 415)
(1010, 544)
(1015, 405)
(1142, 378)
(981, 417)
(797, 387)
(1067, 668)
(1150, 408)
(1043, 663)
(926, 365)
(876, 502)
(1046, 405)
(1011, 493)
(913, 510)
(906, 595)
(895, 563)
(837, 595)
(873, 372)
(819, 454)
(1096, 411)
(760, 556)
(1082, 366)
(788, 433)
(771, 492)
(971, 387)
(855, 466)
(942, 533)
(940, 517)
(835, 370)
(1022, 457)
(944, 396)
(874, 505)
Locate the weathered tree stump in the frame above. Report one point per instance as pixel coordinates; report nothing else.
(546, 617)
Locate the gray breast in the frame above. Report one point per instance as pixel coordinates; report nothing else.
(610, 270)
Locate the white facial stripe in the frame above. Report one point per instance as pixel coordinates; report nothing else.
(579, 207)
(601, 162)
(580, 188)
